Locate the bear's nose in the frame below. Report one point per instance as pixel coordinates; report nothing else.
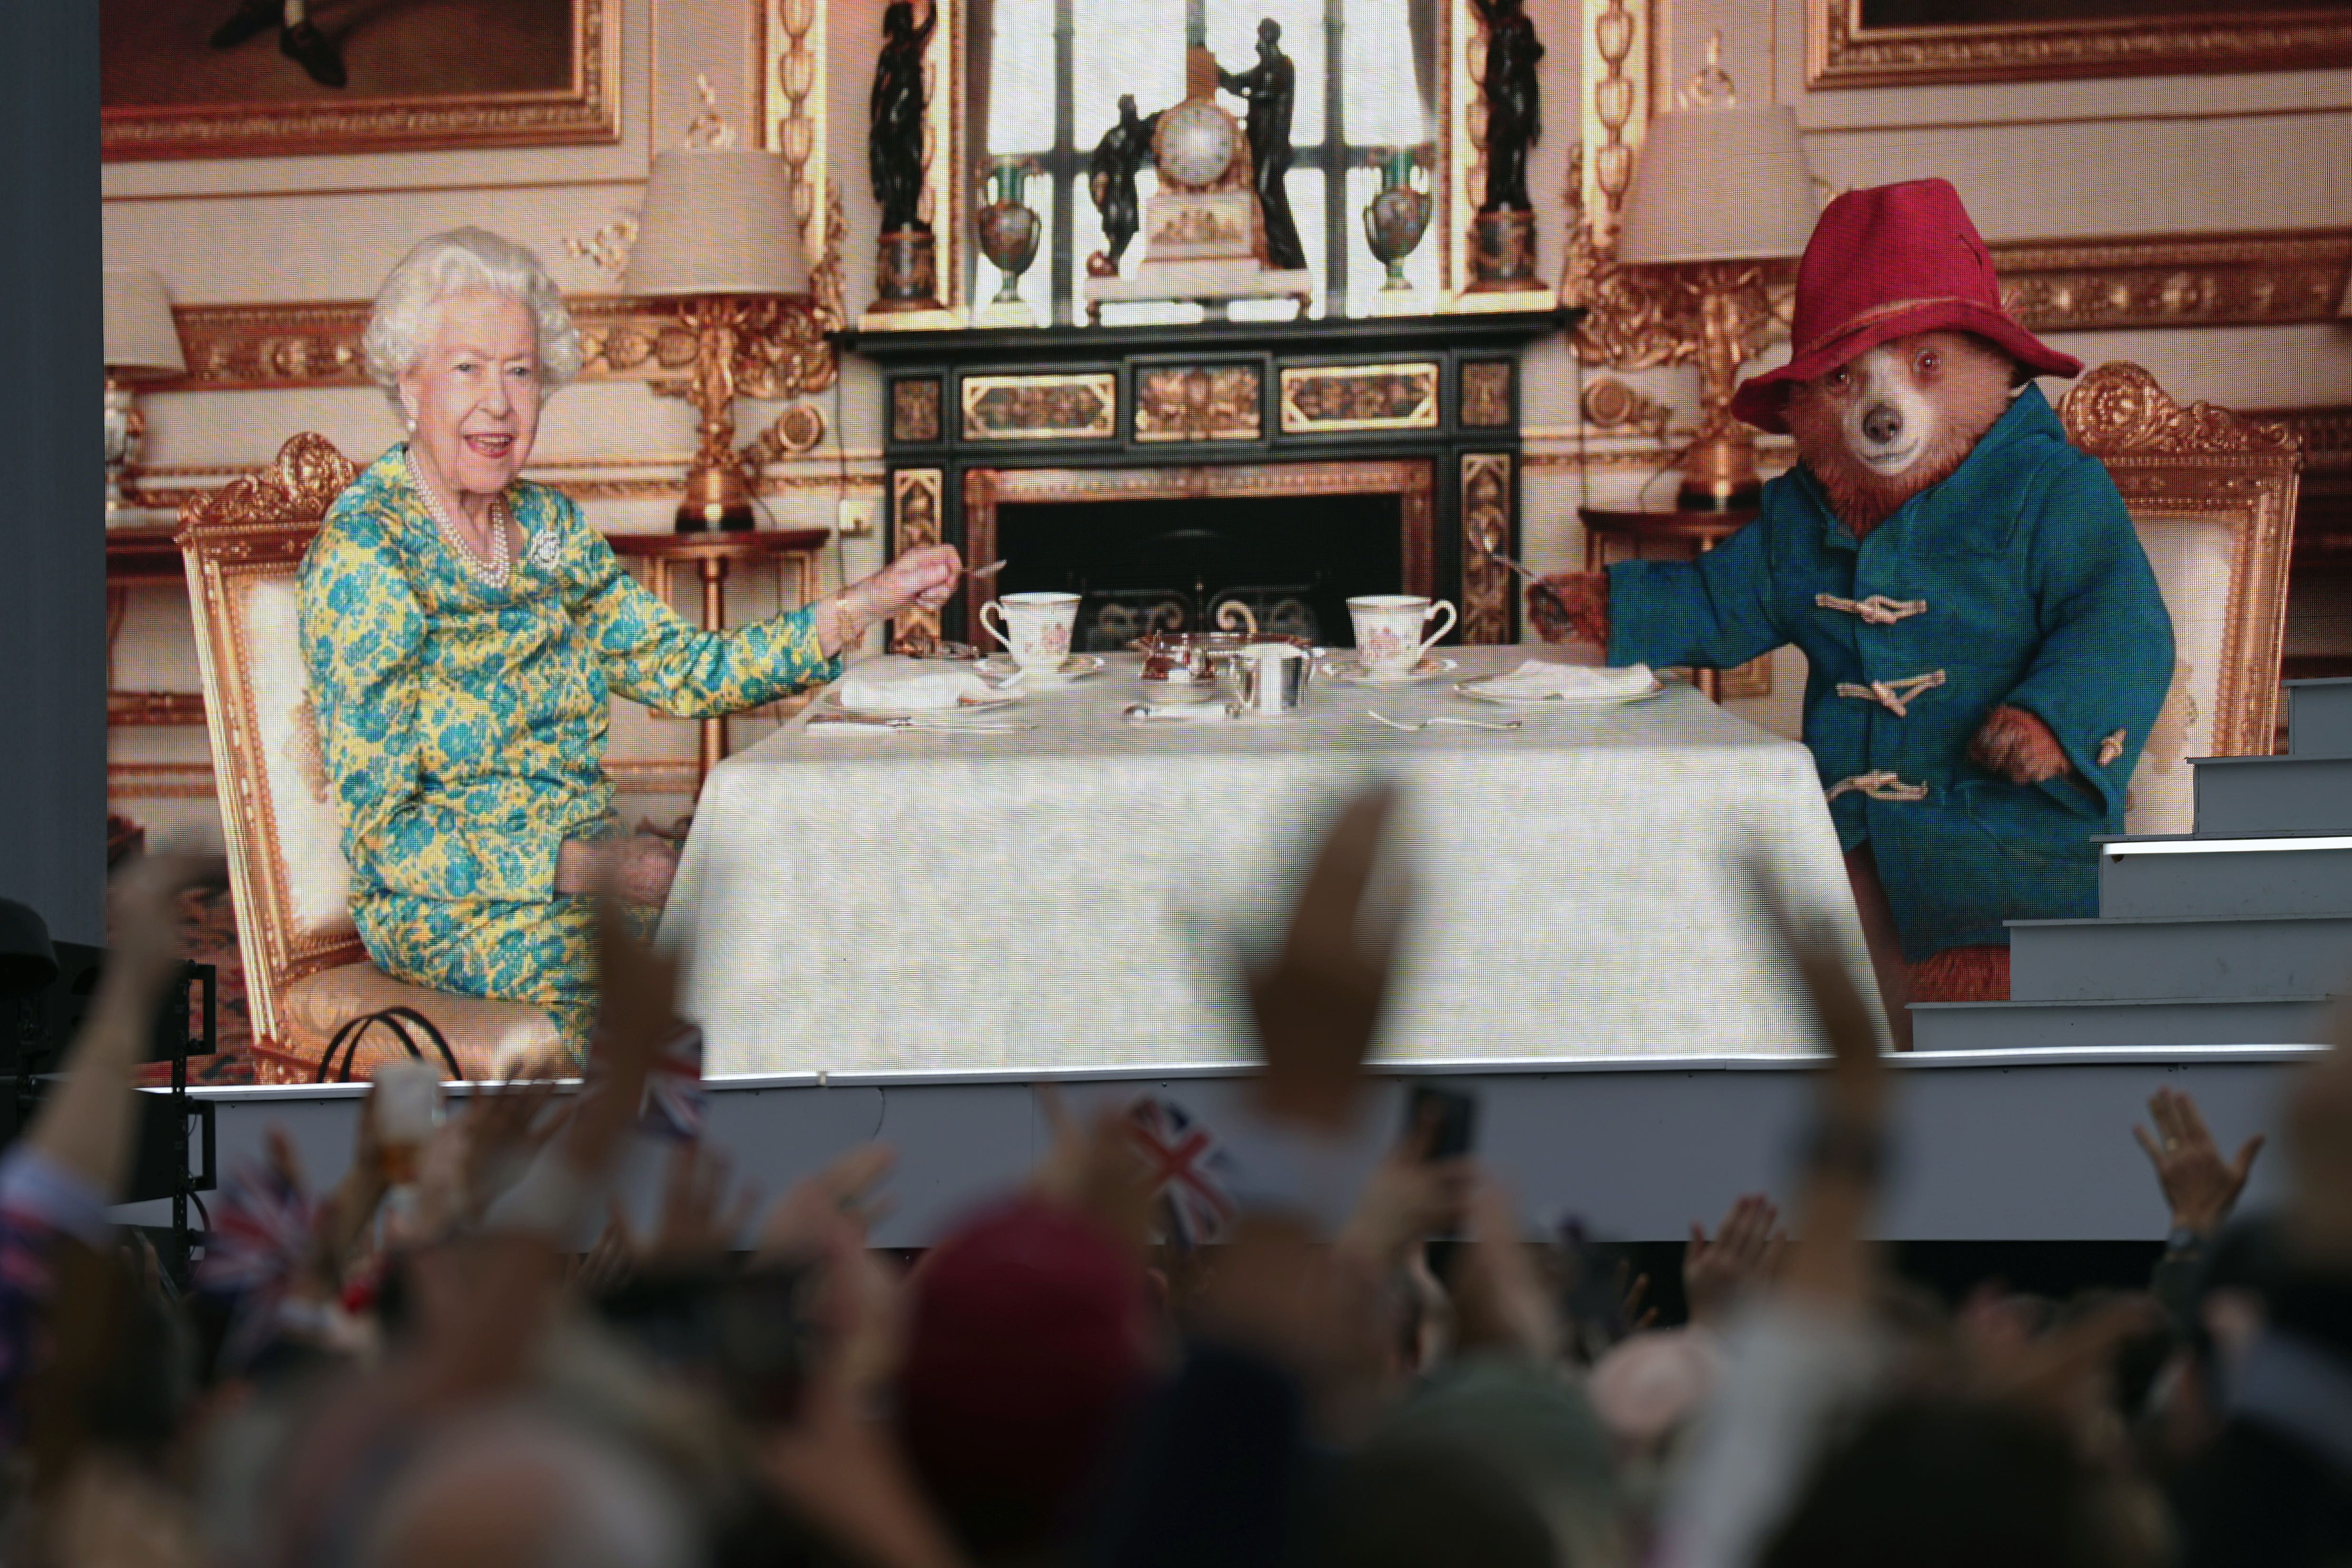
(1882, 422)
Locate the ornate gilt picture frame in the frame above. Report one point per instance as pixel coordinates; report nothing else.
(1908, 43)
(533, 76)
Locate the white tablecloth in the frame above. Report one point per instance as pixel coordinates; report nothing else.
(1074, 894)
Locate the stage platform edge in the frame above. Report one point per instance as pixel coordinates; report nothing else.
(2012, 1145)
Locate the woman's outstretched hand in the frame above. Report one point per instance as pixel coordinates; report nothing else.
(925, 578)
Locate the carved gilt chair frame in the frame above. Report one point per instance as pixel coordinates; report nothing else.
(2207, 467)
(257, 527)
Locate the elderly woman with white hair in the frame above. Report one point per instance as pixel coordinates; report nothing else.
(464, 627)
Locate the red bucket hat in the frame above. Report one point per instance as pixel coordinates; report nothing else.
(1883, 263)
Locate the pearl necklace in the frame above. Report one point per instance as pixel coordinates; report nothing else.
(491, 573)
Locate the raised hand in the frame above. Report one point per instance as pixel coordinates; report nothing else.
(1744, 1254)
(2200, 1186)
(1319, 1002)
(637, 869)
(1832, 1264)
(2319, 1155)
(699, 1222)
(797, 1226)
(1500, 1300)
(1091, 1166)
(1408, 1199)
(2018, 746)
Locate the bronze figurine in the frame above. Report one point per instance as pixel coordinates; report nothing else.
(1270, 85)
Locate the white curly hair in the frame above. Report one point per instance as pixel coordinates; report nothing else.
(464, 260)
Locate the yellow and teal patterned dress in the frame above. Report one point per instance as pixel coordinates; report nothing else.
(463, 727)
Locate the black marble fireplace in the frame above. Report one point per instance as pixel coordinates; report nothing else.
(1173, 563)
(1162, 472)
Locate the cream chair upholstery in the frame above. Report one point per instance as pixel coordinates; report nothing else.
(305, 973)
(2212, 494)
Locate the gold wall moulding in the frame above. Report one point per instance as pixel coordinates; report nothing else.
(1485, 529)
(585, 110)
(1486, 393)
(2186, 280)
(1843, 50)
(1637, 317)
(1198, 402)
(254, 348)
(918, 500)
(775, 481)
(1041, 408)
(1317, 399)
(915, 409)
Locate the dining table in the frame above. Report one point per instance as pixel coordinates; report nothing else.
(1050, 884)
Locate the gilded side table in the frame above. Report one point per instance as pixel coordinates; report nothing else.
(713, 557)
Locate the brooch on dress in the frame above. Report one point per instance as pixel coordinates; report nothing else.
(543, 548)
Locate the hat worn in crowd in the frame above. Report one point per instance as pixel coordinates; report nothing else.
(1884, 263)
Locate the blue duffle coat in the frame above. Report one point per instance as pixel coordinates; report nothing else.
(2018, 580)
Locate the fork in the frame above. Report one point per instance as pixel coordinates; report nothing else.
(927, 727)
(1420, 725)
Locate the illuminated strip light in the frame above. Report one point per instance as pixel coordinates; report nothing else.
(2225, 846)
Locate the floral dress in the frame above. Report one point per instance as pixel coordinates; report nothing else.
(463, 727)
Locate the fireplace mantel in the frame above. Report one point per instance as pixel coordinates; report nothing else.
(1426, 408)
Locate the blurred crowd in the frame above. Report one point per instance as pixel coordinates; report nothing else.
(420, 1363)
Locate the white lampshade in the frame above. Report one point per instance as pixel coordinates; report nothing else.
(718, 221)
(1719, 184)
(139, 334)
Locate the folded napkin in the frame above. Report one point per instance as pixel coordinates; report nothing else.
(893, 684)
(1539, 679)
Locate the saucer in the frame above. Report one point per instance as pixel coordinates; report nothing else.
(1077, 667)
(1353, 673)
(1475, 688)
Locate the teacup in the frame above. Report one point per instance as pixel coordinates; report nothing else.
(1388, 629)
(1036, 628)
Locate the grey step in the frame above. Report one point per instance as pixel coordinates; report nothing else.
(2217, 879)
(2147, 958)
(2319, 717)
(2272, 795)
(2019, 1025)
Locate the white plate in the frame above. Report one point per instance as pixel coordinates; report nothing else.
(829, 701)
(1077, 667)
(1351, 672)
(1473, 689)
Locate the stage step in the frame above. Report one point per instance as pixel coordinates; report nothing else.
(2319, 717)
(2146, 958)
(2020, 1026)
(2219, 878)
(2273, 795)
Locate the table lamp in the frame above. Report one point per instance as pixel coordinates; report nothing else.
(140, 342)
(717, 232)
(1720, 195)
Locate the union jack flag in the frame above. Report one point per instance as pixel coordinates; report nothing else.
(261, 1236)
(674, 1105)
(254, 1245)
(1190, 1174)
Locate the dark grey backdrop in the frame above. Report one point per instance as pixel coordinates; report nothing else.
(52, 471)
